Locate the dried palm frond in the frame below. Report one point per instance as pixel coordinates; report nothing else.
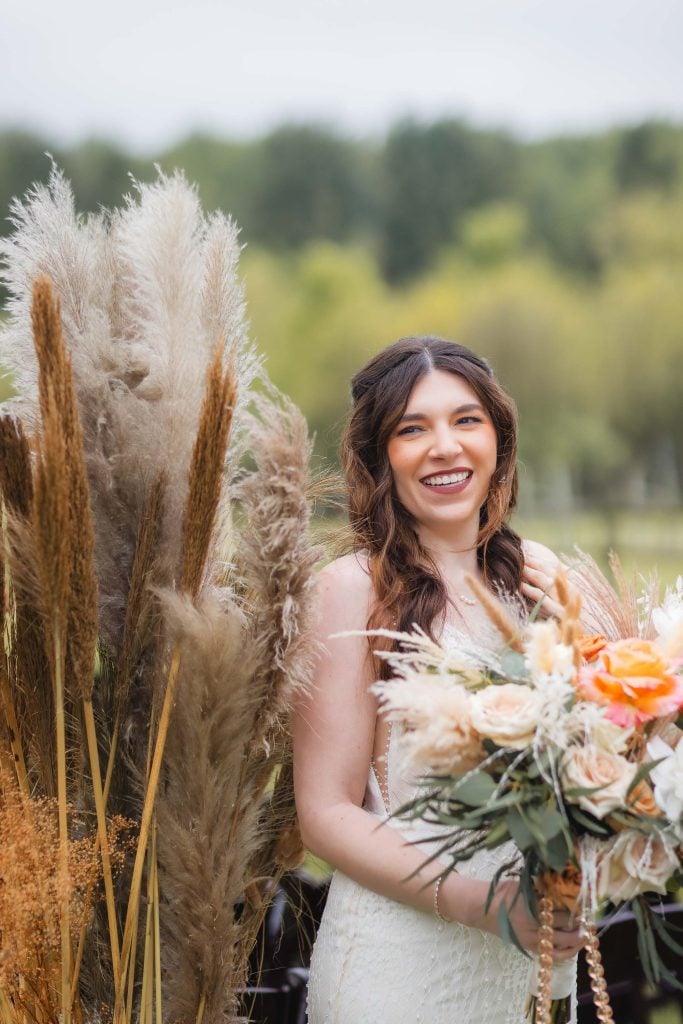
(614, 613)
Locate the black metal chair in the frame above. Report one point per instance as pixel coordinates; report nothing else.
(631, 997)
(280, 962)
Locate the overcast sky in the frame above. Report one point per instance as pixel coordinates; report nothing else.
(146, 72)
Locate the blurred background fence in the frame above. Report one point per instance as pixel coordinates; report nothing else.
(559, 260)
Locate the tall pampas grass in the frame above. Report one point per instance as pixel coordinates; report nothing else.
(156, 595)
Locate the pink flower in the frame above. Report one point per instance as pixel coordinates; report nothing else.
(634, 680)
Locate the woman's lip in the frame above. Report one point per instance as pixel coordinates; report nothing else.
(447, 488)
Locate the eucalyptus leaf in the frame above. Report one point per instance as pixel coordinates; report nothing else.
(513, 665)
(550, 822)
(519, 830)
(558, 852)
(475, 789)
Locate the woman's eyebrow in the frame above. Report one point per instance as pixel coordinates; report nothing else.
(412, 417)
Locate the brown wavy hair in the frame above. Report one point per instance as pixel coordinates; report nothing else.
(407, 585)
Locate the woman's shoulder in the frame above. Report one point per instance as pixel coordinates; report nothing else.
(349, 572)
(344, 592)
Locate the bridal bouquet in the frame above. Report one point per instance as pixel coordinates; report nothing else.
(562, 744)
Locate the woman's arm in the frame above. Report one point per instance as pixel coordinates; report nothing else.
(333, 741)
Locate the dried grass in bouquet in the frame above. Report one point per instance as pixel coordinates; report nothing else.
(151, 648)
(556, 741)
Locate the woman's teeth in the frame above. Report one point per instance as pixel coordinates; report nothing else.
(451, 478)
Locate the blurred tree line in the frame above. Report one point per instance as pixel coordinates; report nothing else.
(559, 260)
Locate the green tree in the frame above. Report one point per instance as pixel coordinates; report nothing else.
(649, 155)
(432, 174)
(307, 185)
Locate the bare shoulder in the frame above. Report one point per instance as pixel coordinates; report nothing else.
(344, 591)
(538, 556)
(350, 570)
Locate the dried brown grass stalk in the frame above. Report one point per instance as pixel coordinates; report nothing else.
(53, 538)
(276, 559)
(206, 471)
(613, 613)
(496, 613)
(140, 615)
(15, 466)
(28, 666)
(55, 376)
(202, 869)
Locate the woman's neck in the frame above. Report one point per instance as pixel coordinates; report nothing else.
(454, 557)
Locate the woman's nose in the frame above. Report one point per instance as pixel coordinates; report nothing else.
(445, 442)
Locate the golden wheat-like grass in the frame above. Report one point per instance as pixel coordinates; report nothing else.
(206, 472)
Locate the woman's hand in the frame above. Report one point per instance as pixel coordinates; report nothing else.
(538, 577)
(567, 939)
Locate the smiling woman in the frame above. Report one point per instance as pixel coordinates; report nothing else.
(443, 458)
(430, 462)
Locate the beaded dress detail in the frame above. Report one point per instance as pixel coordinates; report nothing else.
(377, 960)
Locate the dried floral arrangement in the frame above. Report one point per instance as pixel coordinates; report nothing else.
(562, 749)
(155, 589)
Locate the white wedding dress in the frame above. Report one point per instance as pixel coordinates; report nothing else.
(377, 961)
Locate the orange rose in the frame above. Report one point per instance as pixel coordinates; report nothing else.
(642, 801)
(563, 887)
(590, 645)
(634, 680)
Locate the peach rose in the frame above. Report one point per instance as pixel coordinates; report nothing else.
(590, 645)
(635, 863)
(507, 714)
(634, 681)
(590, 766)
(642, 801)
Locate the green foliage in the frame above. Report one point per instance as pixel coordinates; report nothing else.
(560, 261)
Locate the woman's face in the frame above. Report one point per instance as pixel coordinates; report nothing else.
(442, 454)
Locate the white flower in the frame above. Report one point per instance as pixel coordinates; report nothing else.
(636, 863)
(668, 620)
(667, 778)
(545, 654)
(588, 767)
(507, 714)
(435, 714)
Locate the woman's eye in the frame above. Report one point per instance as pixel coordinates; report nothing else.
(407, 430)
(470, 419)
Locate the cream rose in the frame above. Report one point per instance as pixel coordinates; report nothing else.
(507, 714)
(635, 863)
(590, 766)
